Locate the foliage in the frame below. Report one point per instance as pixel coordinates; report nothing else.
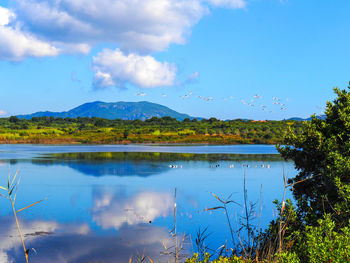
(315, 229)
(286, 257)
(324, 244)
(321, 153)
(283, 257)
(233, 259)
(165, 129)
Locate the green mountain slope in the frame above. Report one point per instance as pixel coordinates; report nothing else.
(114, 110)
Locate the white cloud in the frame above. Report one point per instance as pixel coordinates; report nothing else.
(113, 68)
(192, 78)
(5, 16)
(16, 44)
(135, 25)
(39, 28)
(141, 26)
(3, 113)
(228, 3)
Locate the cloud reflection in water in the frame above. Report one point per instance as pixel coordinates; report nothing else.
(75, 242)
(113, 210)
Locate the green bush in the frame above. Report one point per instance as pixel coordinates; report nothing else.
(324, 244)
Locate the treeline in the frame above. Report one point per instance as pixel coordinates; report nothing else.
(165, 129)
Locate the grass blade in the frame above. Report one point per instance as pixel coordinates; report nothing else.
(14, 199)
(4, 196)
(214, 208)
(29, 206)
(217, 198)
(14, 178)
(10, 193)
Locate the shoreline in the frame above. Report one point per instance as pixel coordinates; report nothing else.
(68, 142)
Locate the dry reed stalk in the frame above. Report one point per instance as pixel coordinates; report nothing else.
(282, 225)
(12, 187)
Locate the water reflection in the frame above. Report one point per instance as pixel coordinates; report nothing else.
(140, 163)
(33, 231)
(113, 210)
(77, 243)
(90, 217)
(130, 216)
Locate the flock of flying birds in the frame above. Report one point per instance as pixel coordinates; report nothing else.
(217, 165)
(255, 101)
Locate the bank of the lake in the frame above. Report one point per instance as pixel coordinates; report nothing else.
(46, 130)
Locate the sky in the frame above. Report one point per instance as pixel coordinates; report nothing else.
(229, 59)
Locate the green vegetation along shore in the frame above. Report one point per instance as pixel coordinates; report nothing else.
(50, 130)
(315, 227)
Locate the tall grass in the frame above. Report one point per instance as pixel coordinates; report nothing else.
(11, 194)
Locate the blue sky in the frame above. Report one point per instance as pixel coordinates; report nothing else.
(204, 58)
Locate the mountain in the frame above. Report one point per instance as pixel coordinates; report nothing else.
(322, 117)
(114, 110)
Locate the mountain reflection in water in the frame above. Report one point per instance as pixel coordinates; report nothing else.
(106, 206)
(140, 163)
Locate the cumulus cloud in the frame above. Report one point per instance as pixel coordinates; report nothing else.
(136, 26)
(39, 28)
(16, 44)
(141, 26)
(5, 16)
(3, 113)
(113, 68)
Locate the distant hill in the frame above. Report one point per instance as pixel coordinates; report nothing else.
(322, 117)
(114, 110)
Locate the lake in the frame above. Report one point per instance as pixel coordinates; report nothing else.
(109, 203)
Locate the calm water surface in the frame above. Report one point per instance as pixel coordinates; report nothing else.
(108, 203)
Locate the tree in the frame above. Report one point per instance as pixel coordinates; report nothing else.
(14, 119)
(321, 154)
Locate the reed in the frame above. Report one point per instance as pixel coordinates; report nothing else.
(11, 194)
